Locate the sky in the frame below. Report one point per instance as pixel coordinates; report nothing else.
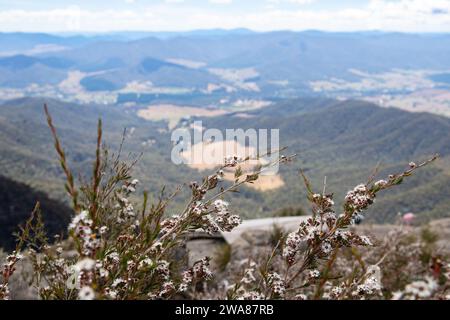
(259, 15)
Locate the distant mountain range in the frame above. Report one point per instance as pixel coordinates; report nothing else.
(274, 64)
(296, 57)
(14, 42)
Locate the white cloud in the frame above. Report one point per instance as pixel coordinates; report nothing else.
(301, 2)
(221, 1)
(400, 15)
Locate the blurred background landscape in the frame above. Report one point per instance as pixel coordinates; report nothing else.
(373, 87)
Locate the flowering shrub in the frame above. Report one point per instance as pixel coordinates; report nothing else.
(309, 263)
(116, 250)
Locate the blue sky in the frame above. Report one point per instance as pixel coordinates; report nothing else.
(262, 15)
(211, 4)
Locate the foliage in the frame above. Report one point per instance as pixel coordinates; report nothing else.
(117, 250)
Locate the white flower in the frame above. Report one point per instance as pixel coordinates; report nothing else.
(277, 283)
(147, 262)
(397, 295)
(292, 245)
(156, 247)
(314, 274)
(130, 264)
(112, 294)
(375, 271)
(380, 183)
(326, 247)
(114, 257)
(221, 205)
(163, 268)
(370, 286)
(359, 198)
(82, 217)
(251, 295)
(86, 293)
(337, 291)
(182, 287)
(197, 210)
(117, 282)
(85, 264)
(422, 288)
(13, 258)
(103, 273)
(19, 256)
(366, 241)
(167, 287)
(341, 235)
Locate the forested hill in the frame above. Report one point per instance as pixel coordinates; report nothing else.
(342, 140)
(17, 201)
